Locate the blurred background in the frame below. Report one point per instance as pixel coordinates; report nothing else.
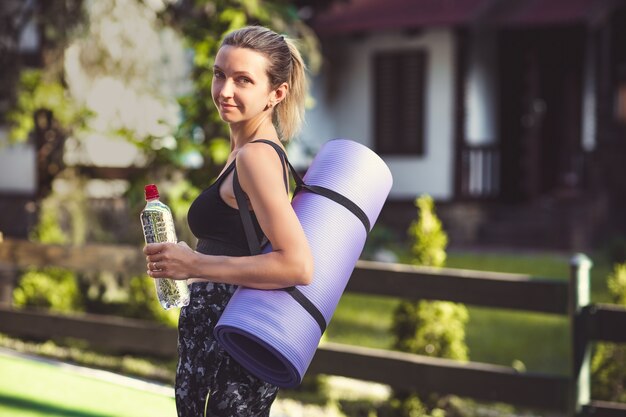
(503, 123)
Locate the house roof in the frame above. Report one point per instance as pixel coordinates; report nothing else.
(353, 16)
(542, 12)
(371, 15)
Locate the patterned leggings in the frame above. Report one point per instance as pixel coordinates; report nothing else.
(209, 382)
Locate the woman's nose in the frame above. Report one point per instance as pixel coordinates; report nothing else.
(227, 89)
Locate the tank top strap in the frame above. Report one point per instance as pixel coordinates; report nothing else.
(224, 174)
(284, 160)
(242, 200)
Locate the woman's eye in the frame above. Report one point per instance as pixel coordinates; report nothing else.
(218, 74)
(244, 80)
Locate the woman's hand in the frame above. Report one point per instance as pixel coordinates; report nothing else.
(169, 260)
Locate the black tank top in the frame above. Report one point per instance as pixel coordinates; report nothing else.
(217, 225)
(210, 218)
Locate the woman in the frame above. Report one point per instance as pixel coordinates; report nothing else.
(259, 87)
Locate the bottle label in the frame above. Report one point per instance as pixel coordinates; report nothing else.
(158, 226)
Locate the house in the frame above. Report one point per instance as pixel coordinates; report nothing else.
(18, 163)
(510, 113)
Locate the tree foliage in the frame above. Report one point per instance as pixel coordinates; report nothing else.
(136, 73)
(35, 93)
(57, 20)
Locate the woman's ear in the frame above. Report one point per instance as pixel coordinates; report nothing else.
(279, 94)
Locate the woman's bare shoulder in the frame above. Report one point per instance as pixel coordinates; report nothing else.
(258, 156)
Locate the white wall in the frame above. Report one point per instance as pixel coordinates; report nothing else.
(344, 95)
(18, 170)
(481, 95)
(589, 97)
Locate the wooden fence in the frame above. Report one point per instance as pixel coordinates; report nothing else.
(566, 394)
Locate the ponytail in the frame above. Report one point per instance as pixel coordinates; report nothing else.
(290, 112)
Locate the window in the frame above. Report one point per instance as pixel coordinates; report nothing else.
(399, 78)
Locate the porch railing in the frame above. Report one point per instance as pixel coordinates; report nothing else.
(480, 171)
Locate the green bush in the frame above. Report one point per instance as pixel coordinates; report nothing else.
(143, 303)
(431, 328)
(51, 288)
(429, 240)
(119, 295)
(617, 284)
(608, 366)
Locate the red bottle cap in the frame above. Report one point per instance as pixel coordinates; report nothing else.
(151, 192)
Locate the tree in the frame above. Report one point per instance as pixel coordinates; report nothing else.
(135, 76)
(56, 20)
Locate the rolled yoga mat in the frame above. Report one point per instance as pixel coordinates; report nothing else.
(270, 332)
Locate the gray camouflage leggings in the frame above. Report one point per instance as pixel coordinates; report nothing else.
(209, 382)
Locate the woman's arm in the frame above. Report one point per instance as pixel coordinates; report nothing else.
(289, 263)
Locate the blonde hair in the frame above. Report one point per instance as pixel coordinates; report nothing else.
(285, 66)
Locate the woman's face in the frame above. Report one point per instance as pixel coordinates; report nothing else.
(240, 88)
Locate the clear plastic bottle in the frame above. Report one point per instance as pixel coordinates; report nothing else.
(158, 226)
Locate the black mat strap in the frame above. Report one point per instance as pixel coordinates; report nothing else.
(308, 306)
(340, 199)
(323, 191)
(255, 246)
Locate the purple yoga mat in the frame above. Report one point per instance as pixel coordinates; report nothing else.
(268, 332)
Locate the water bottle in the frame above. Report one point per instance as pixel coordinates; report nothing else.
(158, 226)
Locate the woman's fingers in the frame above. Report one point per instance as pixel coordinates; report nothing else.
(167, 260)
(153, 248)
(155, 266)
(155, 258)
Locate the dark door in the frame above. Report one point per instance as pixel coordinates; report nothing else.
(540, 96)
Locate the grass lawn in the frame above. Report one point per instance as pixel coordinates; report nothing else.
(36, 389)
(540, 341)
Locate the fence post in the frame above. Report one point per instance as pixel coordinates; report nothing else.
(8, 277)
(579, 290)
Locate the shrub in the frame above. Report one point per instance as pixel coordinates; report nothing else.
(431, 328)
(133, 297)
(608, 366)
(52, 288)
(142, 302)
(617, 284)
(429, 240)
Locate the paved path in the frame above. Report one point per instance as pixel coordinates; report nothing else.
(281, 408)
